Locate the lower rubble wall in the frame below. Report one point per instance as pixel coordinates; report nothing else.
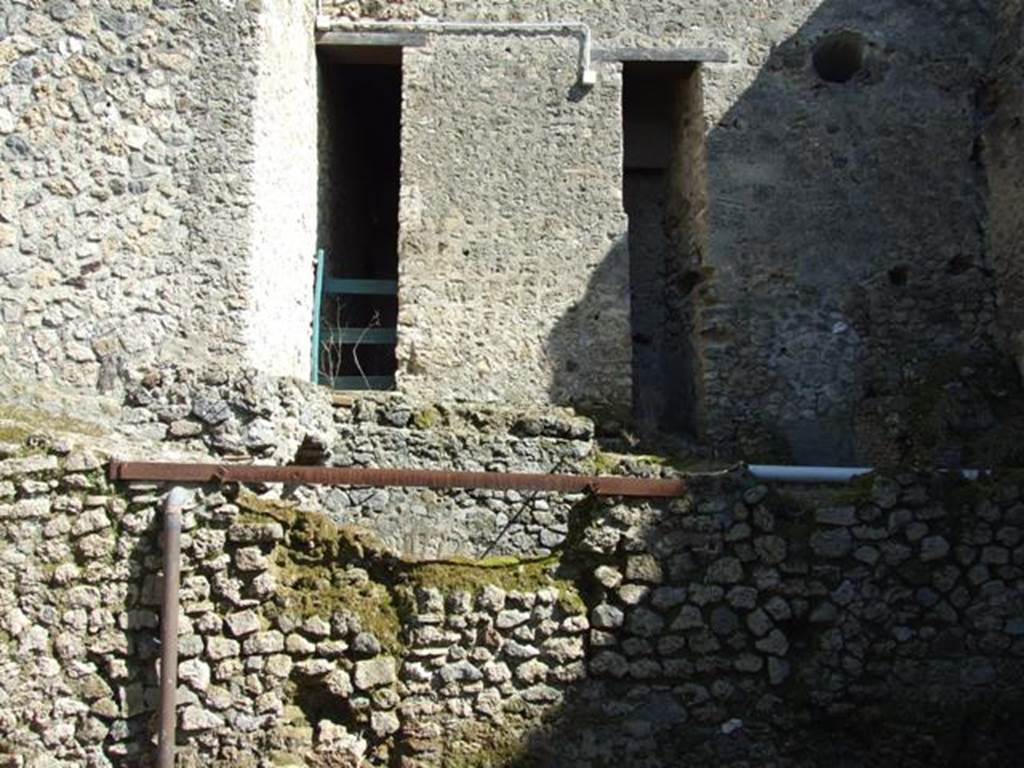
(877, 623)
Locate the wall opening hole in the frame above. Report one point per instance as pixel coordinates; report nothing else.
(360, 130)
(958, 264)
(318, 704)
(664, 195)
(898, 275)
(839, 56)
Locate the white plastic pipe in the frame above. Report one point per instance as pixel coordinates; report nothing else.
(788, 474)
(588, 76)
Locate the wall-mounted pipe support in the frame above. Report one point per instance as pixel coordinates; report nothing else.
(579, 30)
(176, 500)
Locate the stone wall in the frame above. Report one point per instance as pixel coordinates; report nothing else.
(738, 623)
(783, 624)
(512, 266)
(232, 417)
(284, 178)
(863, 282)
(126, 185)
(855, 301)
(844, 272)
(1003, 107)
(158, 186)
(157, 202)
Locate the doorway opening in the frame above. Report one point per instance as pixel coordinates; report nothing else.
(359, 149)
(665, 198)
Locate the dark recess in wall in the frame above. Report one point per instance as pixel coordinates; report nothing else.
(663, 195)
(838, 57)
(360, 130)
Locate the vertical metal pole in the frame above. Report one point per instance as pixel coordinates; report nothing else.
(169, 626)
(318, 292)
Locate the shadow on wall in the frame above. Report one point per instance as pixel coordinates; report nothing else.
(849, 310)
(588, 374)
(723, 650)
(1004, 161)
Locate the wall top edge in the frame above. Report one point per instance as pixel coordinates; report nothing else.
(711, 55)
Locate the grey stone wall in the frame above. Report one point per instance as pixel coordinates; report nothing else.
(777, 624)
(513, 271)
(1004, 108)
(158, 187)
(840, 279)
(158, 202)
(125, 185)
(253, 416)
(856, 301)
(738, 623)
(845, 253)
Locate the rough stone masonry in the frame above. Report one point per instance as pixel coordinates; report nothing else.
(844, 260)
(855, 252)
(877, 622)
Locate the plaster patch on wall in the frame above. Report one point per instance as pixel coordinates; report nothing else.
(283, 215)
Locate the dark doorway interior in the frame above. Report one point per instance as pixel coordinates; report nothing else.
(664, 195)
(360, 131)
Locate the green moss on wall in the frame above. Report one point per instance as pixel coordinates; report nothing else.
(607, 463)
(960, 496)
(18, 423)
(483, 745)
(602, 463)
(957, 384)
(508, 573)
(472, 576)
(315, 591)
(427, 418)
(323, 568)
(856, 492)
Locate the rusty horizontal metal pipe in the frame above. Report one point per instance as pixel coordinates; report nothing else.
(169, 627)
(379, 478)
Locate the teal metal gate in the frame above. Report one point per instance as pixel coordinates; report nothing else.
(324, 333)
